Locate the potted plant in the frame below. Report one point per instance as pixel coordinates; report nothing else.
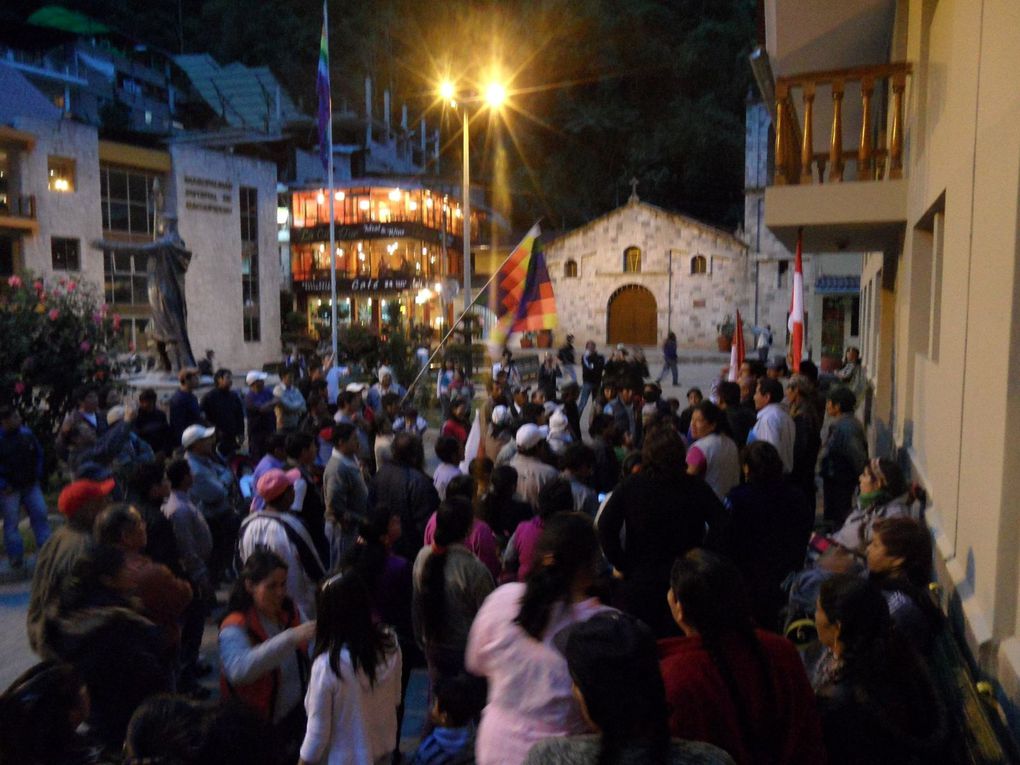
(726, 330)
(545, 338)
(528, 340)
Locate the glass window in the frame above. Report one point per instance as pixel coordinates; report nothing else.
(248, 199)
(61, 174)
(66, 254)
(699, 264)
(125, 282)
(127, 200)
(570, 269)
(632, 260)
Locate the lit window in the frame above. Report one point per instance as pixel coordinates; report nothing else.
(61, 174)
(632, 260)
(699, 264)
(570, 269)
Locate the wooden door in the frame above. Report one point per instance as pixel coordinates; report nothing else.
(632, 317)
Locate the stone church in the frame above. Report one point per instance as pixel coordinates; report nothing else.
(639, 272)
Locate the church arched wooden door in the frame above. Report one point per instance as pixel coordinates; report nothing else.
(632, 317)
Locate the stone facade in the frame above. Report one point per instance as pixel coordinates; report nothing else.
(691, 305)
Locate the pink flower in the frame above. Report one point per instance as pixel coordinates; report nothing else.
(37, 285)
(97, 317)
(54, 314)
(116, 322)
(72, 285)
(85, 346)
(19, 388)
(14, 281)
(103, 310)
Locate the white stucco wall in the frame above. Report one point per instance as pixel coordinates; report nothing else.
(213, 282)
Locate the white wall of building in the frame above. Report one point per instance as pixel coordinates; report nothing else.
(213, 282)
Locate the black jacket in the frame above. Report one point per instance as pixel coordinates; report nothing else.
(592, 366)
(410, 494)
(224, 410)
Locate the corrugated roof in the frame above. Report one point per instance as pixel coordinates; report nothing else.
(21, 99)
(243, 96)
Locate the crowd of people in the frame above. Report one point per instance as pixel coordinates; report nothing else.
(600, 576)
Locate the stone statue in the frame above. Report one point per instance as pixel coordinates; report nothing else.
(166, 263)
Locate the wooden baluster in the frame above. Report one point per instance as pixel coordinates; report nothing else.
(864, 170)
(782, 92)
(836, 138)
(899, 81)
(807, 149)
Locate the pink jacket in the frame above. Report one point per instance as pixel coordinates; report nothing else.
(529, 685)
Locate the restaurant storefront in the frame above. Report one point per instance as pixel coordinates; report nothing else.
(395, 250)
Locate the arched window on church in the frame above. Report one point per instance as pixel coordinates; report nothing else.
(570, 269)
(632, 260)
(699, 265)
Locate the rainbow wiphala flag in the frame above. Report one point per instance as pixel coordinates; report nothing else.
(523, 293)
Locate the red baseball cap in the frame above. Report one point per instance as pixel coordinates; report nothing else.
(78, 493)
(275, 482)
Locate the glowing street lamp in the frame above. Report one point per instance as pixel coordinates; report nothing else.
(494, 97)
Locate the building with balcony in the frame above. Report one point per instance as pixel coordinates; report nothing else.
(397, 249)
(896, 135)
(64, 188)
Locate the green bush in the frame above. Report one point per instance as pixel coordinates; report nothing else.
(56, 338)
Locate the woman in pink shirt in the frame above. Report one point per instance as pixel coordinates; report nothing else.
(511, 644)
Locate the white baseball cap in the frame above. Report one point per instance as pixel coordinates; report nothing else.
(195, 433)
(500, 415)
(355, 387)
(254, 376)
(115, 415)
(528, 436)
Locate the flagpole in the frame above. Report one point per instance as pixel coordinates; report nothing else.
(332, 199)
(453, 326)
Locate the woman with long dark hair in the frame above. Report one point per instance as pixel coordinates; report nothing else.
(899, 564)
(614, 666)
(876, 699)
(665, 513)
(263, 651)
(728, 683)
(354, 690)
(713, 455)
(450, 583)
(511, 643)
(499, 506)
(882, 494)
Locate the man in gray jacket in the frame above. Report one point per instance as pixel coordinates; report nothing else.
(345, 492)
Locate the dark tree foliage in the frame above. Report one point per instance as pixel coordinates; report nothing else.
(603, 90)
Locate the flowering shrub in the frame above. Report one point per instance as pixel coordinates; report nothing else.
(56, 337)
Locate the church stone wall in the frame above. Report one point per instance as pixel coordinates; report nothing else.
(695, 305)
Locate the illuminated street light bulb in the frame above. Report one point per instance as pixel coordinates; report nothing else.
(339, 196)
(495, 95)
(320, 198)
(395, 195)
(412, 205)
(363, 204)
(447, 91)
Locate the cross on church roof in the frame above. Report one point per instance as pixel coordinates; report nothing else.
(633, 191)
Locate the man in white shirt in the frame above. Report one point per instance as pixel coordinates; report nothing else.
(279, 528)
(774, 424)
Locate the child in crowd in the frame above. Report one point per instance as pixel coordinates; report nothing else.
(452, 741)
(411, 421)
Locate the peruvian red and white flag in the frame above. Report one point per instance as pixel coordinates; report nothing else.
(737, 350)
(796, 321)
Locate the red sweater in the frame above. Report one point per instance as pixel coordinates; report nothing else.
(701, 708)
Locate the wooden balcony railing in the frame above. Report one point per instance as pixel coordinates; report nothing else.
(18, 205)
(879, 150)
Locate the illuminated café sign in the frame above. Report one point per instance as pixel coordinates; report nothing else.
(366, 284)
(320, 233)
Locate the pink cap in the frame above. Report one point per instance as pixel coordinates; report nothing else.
(274, 482)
